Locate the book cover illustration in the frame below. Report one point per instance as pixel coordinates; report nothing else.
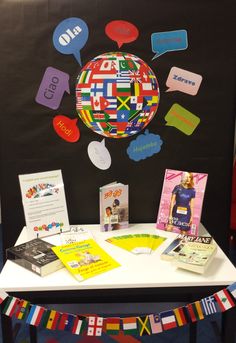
(177, 244)
(195, 256)
(35, 255)
(137, 243)
(85, 259)
(181, 201)
(113, 204)
(44, 203)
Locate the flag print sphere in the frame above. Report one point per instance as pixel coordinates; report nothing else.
(117, 94)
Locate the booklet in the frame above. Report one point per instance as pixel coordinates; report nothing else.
(85, 259)
(113, 204)
(181, 201)
(44, 203)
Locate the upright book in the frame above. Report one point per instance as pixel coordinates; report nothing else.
(113, 204)
(36, 256)
(181, 201)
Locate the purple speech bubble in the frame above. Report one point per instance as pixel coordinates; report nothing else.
(52, 88)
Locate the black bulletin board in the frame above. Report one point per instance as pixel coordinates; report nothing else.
(29, 144)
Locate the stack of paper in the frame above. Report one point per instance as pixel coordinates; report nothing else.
(139, 243)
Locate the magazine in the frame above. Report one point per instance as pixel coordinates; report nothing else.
(113, 204)
(181, 201)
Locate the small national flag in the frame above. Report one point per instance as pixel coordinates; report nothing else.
(95, 325)
(22, 309)
(209, 305)
(155, 322)
(3, 296)
(144, 326)
(130, 326)
(181, 315)
(168, 320)
(10, 306)
(35, 315)
(66, 322)
(78, 325)
(112, 326)
(224, 300)
(231, 289)
(52, 320)
(195, 311)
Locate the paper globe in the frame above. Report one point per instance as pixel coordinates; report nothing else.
(117, 94)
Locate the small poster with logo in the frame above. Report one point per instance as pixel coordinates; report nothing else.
(113, 205)
(44, 203)
(181, 201)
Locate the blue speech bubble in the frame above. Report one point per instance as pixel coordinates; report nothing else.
(168, 41)
(144, 146)
(70, 36)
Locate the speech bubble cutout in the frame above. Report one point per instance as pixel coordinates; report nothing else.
(121, 31)
(53, 85)
(66, 128)
(183, 80)
(144, 146)
(70, 36)
(168, 41)
(182, 119)
(99, 154)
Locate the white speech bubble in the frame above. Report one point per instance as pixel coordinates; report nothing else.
(99, 154)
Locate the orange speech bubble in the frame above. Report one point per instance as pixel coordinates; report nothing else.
(121, 31)
(66, 128)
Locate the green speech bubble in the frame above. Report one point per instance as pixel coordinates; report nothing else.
(182, 119)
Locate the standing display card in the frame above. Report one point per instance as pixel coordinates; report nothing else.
(113, 204)
(44, 203)
(181, 201)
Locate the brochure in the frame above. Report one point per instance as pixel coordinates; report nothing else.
(44, 203)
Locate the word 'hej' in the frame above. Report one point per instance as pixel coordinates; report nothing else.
(66, 38)
(63, 127)
(181, 79)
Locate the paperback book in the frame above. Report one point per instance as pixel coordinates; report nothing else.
(178, 243)
(113, 205)
(85, 259)
(181, 201)
(195, 256)
(36, 256)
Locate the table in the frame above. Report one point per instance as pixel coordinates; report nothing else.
(141, 278)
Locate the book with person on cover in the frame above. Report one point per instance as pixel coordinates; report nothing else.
(181, 201)
(85, 259)
(195, 256)
(36, 256)
(177, 244)
(113, 205)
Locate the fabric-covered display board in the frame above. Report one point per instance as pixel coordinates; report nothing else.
(80, 71)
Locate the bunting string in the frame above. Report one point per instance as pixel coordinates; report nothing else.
(95, 325)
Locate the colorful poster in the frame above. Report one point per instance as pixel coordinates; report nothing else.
(44, 203)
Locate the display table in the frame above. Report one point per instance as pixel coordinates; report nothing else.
(140, 278)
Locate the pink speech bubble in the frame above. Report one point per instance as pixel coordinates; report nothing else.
(183, 81)
(66, 128)
(121, 31)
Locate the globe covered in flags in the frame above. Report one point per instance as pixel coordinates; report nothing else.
(117, 94)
